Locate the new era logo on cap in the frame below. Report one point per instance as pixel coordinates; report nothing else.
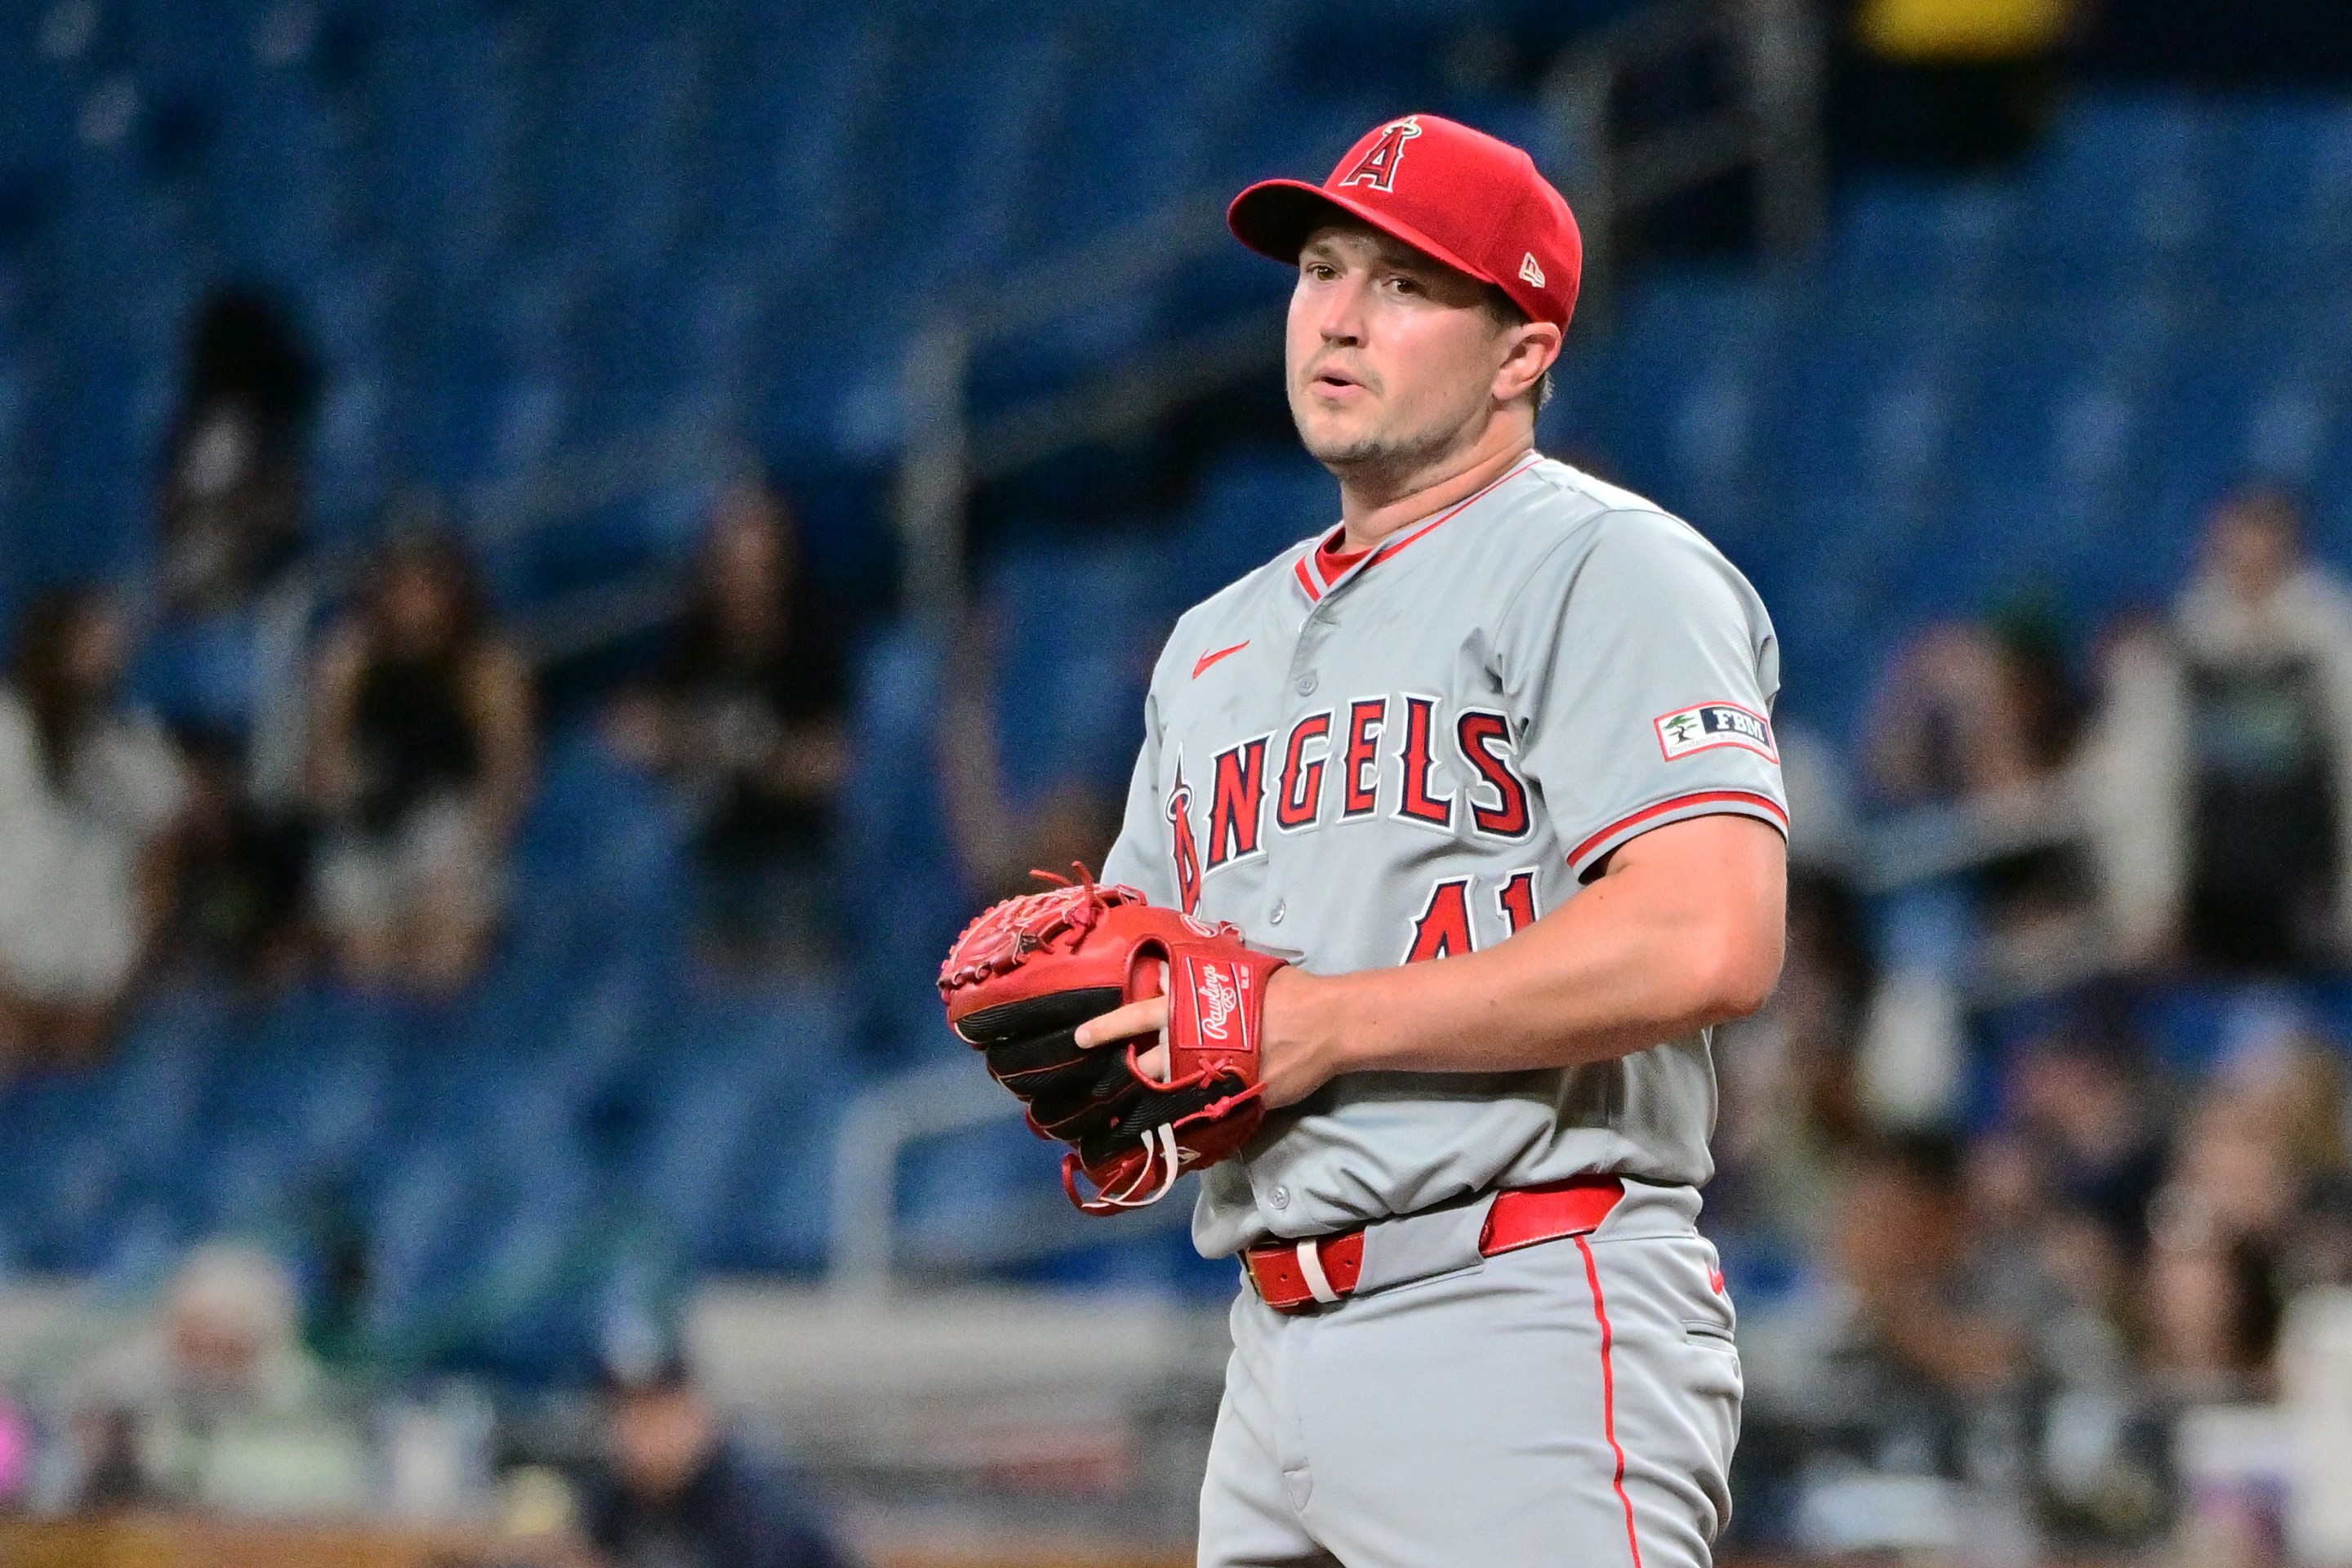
(1529, 271)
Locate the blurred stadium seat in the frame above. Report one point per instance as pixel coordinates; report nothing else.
(512, 238)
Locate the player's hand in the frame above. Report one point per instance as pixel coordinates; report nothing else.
(1133, 1022)
(1291, 1066)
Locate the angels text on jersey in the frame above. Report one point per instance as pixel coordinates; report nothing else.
(1402, 757)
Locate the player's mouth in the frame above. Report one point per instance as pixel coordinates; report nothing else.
(1335, 383)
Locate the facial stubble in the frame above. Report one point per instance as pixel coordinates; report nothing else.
(1377, 462)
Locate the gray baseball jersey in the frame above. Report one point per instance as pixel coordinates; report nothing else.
(1417, 753)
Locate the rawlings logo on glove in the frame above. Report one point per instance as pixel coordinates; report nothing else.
(1027, 973)
(1220, 994)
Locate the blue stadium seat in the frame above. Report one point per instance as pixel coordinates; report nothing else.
(615, 169)
(971, 122)
(1142, 124)
(776, 1215)
(272, 177)
(893, 813)
(2271, 196)
(2320, 228)
(722, 1069)
(1906, 238)
(416, 1221)
(201, 52)
(448, 112)
(2126, 176)
(1079, 720)
(38, 133)
(785, 95)
(973, 1182)
(57, 1204)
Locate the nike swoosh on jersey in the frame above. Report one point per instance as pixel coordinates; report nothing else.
(1207, 659)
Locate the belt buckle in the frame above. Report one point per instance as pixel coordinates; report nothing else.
(1249, 1267)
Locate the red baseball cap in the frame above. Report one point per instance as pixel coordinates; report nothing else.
(1476, 203)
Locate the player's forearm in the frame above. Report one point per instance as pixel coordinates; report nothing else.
(1566, 991)
(1681, 940)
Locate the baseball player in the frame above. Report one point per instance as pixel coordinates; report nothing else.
(1511, 717)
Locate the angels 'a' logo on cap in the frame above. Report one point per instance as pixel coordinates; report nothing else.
(1377, 166)
(1531, 271)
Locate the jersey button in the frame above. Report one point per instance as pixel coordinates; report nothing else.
(1307, 684)
(1280, 909)
(1281, 1197)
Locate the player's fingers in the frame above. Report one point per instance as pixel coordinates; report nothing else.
(1153, 1063)
(1144, 1018)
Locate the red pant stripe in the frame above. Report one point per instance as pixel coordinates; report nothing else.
(1608, 1396)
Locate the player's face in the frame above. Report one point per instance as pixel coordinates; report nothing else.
(1391, 355)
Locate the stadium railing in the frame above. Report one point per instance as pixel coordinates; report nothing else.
(1767, 54)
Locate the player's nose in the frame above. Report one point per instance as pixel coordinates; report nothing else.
(1340, 329)
(1337, 313)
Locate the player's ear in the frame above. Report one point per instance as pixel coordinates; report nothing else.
(1529, 349)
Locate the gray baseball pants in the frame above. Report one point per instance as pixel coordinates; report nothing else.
(1573, 1404)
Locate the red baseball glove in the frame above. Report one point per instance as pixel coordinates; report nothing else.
(1027, 973)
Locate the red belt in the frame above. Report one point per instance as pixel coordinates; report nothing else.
(1294, 1276)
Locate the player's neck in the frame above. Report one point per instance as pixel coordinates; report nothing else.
(1372, 508)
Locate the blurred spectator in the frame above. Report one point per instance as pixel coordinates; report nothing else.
(232, 484)
(1934, 1329)
(1923, 1356)
(676, 1491)
(1966, 711)
(2319, 1253)
(747, 712)
(2096, 1471)
(1978, 716)
(223, 664)
(1790, 1107)
(2213, 1310)
(421, 764)
(216, 1403)
(1823, 825)
(2222, 774)
(2086, 1112)
(2258, 1168)
(244, 863)
(1971, 727)
(88, 791)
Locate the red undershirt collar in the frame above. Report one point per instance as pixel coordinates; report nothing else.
(1334, 564)
(1330, 565)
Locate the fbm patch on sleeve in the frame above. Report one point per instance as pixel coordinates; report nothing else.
(1710, 724)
